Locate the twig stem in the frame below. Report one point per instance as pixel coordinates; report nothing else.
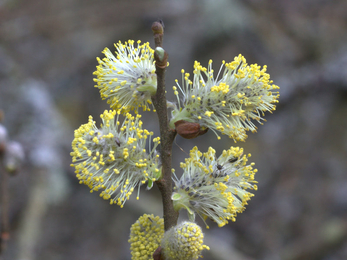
(167, 135)
(4, 237)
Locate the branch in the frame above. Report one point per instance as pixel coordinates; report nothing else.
(167, 135)
(5, 233)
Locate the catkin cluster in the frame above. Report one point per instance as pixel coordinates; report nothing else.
(121, 156)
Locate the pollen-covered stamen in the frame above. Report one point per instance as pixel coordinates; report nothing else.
(113, 158)
(127, 80)
(215, 188)
(229, 102)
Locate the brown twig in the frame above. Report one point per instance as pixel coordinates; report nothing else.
(5, 234)
(167, 135)
(4, 224)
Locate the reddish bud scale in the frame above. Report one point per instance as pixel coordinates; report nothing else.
(189, 130)
(157, 254)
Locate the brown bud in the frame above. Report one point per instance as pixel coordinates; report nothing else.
(158, 32)
(189, 130)
(157, 27)
(157, 254)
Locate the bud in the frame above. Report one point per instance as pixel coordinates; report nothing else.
(183, 242)
(189, 130)
(145, 236)
(160, 52)
(161, 58)
(158, 27)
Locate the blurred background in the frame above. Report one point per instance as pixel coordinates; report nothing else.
(48, 53)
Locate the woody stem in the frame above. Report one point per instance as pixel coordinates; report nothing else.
(167, 135)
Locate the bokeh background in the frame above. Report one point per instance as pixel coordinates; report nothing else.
(48, 53)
